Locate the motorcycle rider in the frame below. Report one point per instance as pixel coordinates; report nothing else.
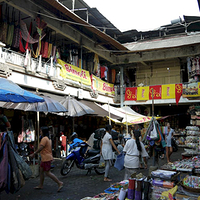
(75, 143)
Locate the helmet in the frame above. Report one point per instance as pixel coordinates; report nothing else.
(74, 135)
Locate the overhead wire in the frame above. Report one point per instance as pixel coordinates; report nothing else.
(106, 28)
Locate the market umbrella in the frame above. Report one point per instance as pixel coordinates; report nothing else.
(75, 108)
(11, 92)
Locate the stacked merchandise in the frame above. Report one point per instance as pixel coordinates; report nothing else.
(192, 139)
(191, 165)
(138, 189)
(162, 180)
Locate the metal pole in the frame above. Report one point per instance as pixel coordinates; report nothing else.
(109, 113)
(38, 127)
(154, 159)
(121, 86)
(152, 103)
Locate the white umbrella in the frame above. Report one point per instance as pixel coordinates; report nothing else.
(75, 108)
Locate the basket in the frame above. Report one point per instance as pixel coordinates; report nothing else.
(190, 189)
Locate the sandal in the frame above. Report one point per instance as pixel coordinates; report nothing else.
(60, 187)
(37, 188)
(107, 179)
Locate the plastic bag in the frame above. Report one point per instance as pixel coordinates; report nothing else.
(119, 162)
(101, 162)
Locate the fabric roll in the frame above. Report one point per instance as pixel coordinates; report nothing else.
(146, 189)
(122, 194)
(131, 184)
(131, 194)
(138, 189)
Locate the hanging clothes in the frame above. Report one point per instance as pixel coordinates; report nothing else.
(103, 69)
(29, 31)
(40, 26)
(21, 47)
(45, 50)
(16, 36)
(10, 30)
(50, 46)
(96, 65)
(3, 162)
(113, 75)
(3, 27)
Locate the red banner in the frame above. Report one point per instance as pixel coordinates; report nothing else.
(131, 94)
(178, 92)
(155, 92)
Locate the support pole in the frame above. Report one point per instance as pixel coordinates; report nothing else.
(121, 86)
(109, 113)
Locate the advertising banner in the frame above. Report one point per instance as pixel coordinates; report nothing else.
(143, 93)
(178, 92)
(168, 91)
(74, 73)
(131, 94)
(155, 92)
(102, 86)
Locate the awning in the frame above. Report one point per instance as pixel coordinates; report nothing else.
(99, 111)
(129, 116)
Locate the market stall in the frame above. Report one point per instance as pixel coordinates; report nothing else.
(178, 180)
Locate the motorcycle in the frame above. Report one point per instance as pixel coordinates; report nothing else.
(87, 161)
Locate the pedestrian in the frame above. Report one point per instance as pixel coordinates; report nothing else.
(46, 158)
(106, 150)
(133, 149)
(4, 123)
(168, 136)
(164, 134)
(63, 140)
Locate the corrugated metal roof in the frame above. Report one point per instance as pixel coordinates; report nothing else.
(163, 43)
(106, 40)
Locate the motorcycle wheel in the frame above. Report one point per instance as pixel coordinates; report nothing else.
(99, 170)
(66, 167)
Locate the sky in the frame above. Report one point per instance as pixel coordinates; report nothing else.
(144, 15)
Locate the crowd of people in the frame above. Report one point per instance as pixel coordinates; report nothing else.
(129, 142)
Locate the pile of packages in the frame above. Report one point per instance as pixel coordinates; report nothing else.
(162, 181)
(137, 188)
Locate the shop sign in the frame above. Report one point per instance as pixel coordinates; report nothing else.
(102, 86)
(131, 94)
(191, 89)
(74, 73)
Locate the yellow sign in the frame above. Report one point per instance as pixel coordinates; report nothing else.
(168, 91)
(74, 73)
(143, 93)
(102, 86)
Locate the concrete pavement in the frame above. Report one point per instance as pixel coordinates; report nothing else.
(77, 184)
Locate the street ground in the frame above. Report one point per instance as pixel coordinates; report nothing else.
(77, 184)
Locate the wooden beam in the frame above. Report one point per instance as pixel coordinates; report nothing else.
(155, 55)
(64, 29)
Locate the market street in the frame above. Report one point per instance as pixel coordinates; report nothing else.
(76, 184)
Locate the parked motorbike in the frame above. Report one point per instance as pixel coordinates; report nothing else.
(87, 161)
